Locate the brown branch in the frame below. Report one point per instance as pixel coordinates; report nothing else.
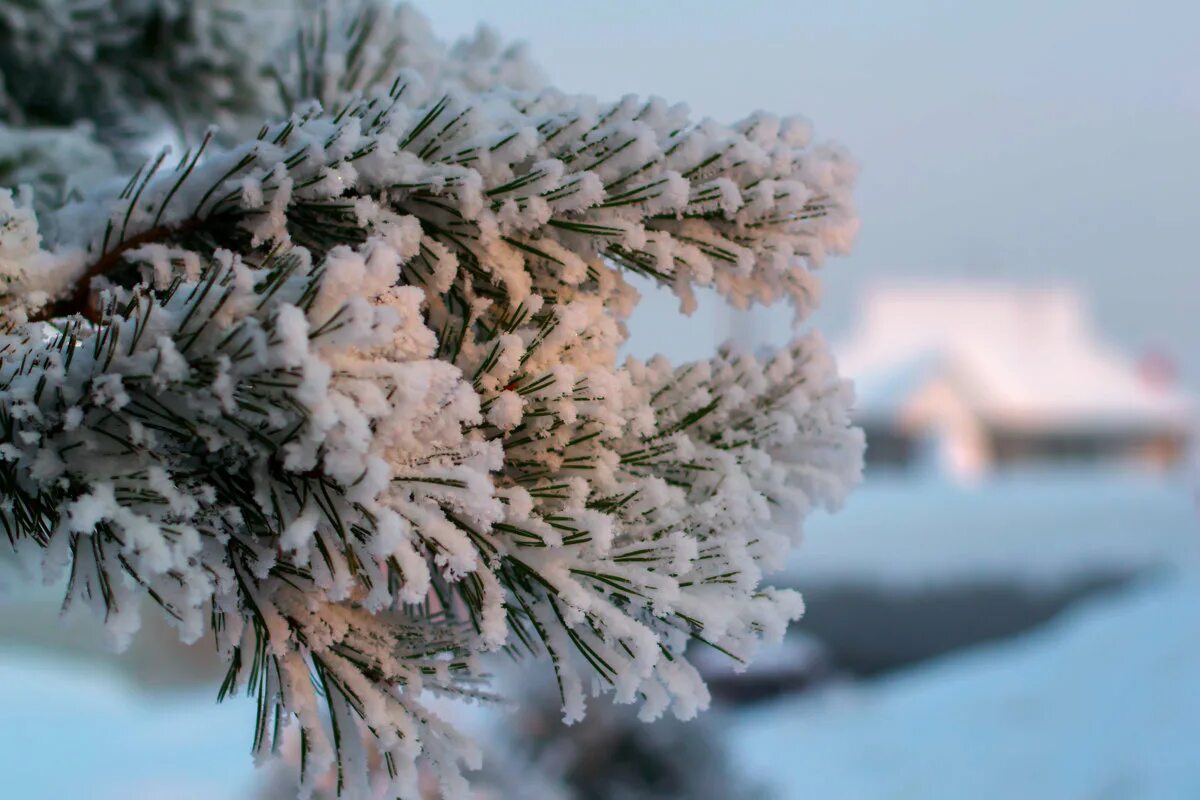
(80, 300)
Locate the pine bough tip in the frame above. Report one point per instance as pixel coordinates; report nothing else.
(345, 398)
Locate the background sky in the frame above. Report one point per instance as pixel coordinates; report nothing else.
(1040, 142)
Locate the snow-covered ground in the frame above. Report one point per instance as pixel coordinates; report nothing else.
(1102, 703)
(1036, 528)
(74, 730)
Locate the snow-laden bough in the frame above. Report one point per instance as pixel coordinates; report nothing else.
(346, 398)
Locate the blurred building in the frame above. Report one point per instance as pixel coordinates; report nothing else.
(973, 378)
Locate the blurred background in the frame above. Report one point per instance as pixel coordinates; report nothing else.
(1010, 604)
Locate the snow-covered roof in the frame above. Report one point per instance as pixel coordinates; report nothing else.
(1022, 358)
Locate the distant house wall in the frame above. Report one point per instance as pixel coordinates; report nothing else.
(1159, 449)
(898, 446)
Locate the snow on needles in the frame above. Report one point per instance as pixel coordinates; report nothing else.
(346, 398)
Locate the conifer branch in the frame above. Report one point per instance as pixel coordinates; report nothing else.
(345, 395)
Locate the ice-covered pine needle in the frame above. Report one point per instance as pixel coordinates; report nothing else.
(345, 396)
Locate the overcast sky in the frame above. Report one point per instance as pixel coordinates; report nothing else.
(1030, 141)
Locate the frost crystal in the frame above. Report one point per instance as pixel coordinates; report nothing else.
(345, 396)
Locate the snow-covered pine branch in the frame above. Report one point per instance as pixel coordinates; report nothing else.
(346, 398)
(347, 49)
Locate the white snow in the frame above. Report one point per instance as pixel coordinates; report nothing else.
(82, 731)
(505, 412)
(1032, 528)
(313, 405)
(1023, 358)
(1102, 703)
